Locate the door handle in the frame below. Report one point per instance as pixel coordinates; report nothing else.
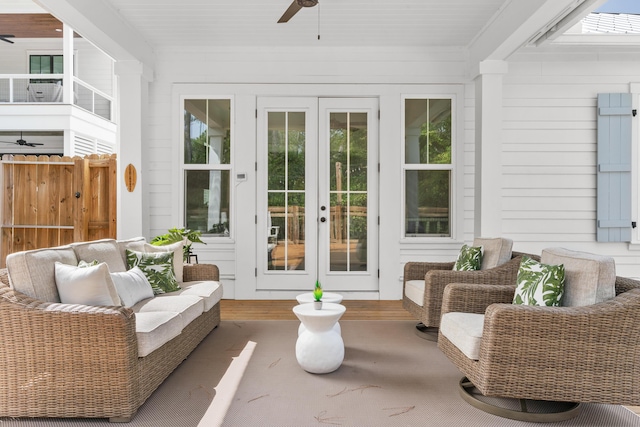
(323, 219)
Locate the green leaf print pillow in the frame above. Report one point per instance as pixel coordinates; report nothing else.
(157, 267)
(539, 284)
(469, 258)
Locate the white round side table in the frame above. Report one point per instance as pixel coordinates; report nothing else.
(326, 297)
(319, 349)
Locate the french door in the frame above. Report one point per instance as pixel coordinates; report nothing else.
(317, 194)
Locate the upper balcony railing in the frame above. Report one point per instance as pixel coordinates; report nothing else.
(47, 88)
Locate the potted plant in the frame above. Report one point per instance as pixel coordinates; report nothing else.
(178, 235)
(317, 296)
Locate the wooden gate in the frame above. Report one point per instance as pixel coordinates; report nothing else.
(52, 200)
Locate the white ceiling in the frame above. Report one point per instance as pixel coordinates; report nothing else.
(138, 29)
(339, 22)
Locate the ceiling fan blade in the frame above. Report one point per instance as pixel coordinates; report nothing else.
(4, 38)
(7, 142)
(33, 144)
(288, 14)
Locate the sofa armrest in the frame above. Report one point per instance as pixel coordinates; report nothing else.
(194, 272)
(474, 297)
(52, 350)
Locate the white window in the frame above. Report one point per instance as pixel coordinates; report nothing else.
(427, 167)
(207, 165)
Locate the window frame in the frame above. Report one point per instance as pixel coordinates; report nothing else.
(453, 168)
(184, 167)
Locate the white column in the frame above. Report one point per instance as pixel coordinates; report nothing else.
(67, 65)
(488, 149)
(133, 90)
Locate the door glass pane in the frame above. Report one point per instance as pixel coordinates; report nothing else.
(207, 201)
(427, 202)
(286, 141)
(207, 133)
(348, 191)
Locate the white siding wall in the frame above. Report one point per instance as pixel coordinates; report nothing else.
(386, 73)
(549, 151)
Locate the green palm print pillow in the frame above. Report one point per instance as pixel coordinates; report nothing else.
(469, 258)
(539, 284)
(158, 267)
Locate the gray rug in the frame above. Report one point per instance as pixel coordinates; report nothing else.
(246, 374)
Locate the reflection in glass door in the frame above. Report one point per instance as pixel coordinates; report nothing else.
(286, 141)
(347, 193)
(317, 195)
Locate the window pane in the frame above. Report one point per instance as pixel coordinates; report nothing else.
(207, 201)
(207, 133)
(427, 203)
(57, 64)
(277, 145)
(428, 131)
(296, 138)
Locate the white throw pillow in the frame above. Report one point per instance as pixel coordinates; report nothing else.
(85, 285)
(132, 286)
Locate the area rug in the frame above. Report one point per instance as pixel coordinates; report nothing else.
(245, 374)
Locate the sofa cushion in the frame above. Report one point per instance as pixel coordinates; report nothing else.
(464, 330)
(105, 250)
(132, 286)
(90, 285)
(539, 284)
(176, 248)
(469, 258)
(188, 306)
(155, 328)
(209, 290)
(414, 290)
(123, 244)
(33, 272)
(495, 251)
(158, 267)
(589, 278)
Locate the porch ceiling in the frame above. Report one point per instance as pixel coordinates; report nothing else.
(488, 29)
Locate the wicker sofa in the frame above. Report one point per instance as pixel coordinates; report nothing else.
(73, 360)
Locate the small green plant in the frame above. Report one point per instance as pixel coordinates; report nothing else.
(317, 291)
(178, 235)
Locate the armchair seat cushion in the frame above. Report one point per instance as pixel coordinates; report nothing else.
(464, 330)
(414, 290)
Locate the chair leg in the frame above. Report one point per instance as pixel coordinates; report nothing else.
(566, 411)
(429, 333)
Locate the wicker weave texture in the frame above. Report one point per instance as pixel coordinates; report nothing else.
(62, 360)
(572, 354)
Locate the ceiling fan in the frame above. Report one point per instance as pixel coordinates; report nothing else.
(294, 8)
(5, 38)
(23, 142)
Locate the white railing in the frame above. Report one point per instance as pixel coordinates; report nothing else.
(47, 88)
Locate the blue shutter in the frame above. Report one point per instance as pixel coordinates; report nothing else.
(614, 168)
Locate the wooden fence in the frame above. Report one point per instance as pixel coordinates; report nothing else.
(52, 200)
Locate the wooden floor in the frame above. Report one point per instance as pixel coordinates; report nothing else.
(281, 310)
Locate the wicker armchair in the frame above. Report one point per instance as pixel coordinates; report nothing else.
(438, 275)
(559, 354)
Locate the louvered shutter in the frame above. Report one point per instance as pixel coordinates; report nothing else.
(614, 168)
